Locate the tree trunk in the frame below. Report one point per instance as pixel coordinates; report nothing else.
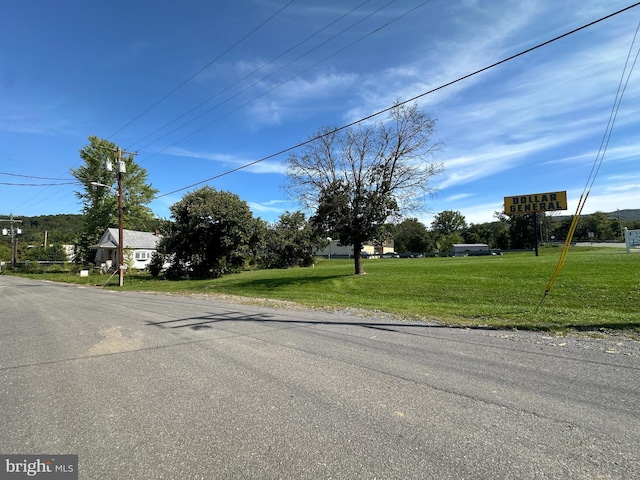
(357, 258)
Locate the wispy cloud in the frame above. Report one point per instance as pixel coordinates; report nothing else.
(230, 161)
(272, 206)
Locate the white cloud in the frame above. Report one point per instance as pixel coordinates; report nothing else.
(229, 160)
(271, 207)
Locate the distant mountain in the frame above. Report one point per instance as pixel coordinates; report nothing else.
(627, 215)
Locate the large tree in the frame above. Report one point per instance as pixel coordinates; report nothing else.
(412, 236)
(100, 204)
(355, 179)
(447, 229)
(601, 226)
(211, 232)
(291, 242)
(448, 222)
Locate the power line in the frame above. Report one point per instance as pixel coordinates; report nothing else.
(32, 176)
(37, 184)
(596, 164)
(291, 78)
(262, 67)
(412, 99)
(202, 69)
(278, 85)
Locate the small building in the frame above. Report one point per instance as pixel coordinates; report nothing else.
(139, 245)
(369, 249)
(464, 249)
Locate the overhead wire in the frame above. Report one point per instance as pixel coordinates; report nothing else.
(235, 44)
(37, 184)
(237, 94)
(182, 84)
(33, 176)
(597, 164)
(280, 69)
(278, 84)
(412, 99)
(238, 82)
(389, 108)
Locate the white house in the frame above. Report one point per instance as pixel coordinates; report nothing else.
(140, 245)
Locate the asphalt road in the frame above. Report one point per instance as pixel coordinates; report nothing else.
(145, 386)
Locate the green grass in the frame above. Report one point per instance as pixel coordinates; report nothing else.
(598, 288)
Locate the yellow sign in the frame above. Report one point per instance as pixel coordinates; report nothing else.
(538, 202)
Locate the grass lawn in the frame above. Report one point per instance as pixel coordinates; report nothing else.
(598, 288)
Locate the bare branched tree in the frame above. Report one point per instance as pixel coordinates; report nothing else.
(356, 179)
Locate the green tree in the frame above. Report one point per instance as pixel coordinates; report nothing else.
(100, 204)
(521, 231)
(5, 252)
(448, 222)
(599, 224)
(54, 253)
(412, 236)
(444, 241)
(291, 242)
(211, 233)
(357, 178)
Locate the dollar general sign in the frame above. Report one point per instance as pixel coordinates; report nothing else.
(538, 202)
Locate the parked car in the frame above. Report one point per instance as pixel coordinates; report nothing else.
(390, 255)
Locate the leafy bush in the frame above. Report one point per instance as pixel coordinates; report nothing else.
(156, 264)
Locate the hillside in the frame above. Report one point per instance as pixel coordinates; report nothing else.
(60, 229)
(627, 215)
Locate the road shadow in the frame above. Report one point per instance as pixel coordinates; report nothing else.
(260, 285)
(208, 320)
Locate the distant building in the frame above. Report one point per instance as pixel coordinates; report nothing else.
(140, 245)
(336, 249)
(463, 249)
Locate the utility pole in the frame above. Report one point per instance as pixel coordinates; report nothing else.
(14, 242)
(121, 169)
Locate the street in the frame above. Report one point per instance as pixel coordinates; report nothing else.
(150, 386)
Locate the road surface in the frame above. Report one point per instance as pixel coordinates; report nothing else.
(146, 386)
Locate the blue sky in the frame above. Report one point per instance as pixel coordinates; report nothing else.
(199, 88)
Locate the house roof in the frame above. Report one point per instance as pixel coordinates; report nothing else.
(131, 239)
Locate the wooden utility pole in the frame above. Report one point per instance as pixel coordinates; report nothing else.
(14, 240)
(121, 169)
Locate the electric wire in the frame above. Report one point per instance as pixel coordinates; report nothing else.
(37, 184)
(189, 79)
(278, 85)
(595, 169)
(389, 108)
(262, 67)
(34, 177)
(237, 94)
(203, 68)
(412, 99)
